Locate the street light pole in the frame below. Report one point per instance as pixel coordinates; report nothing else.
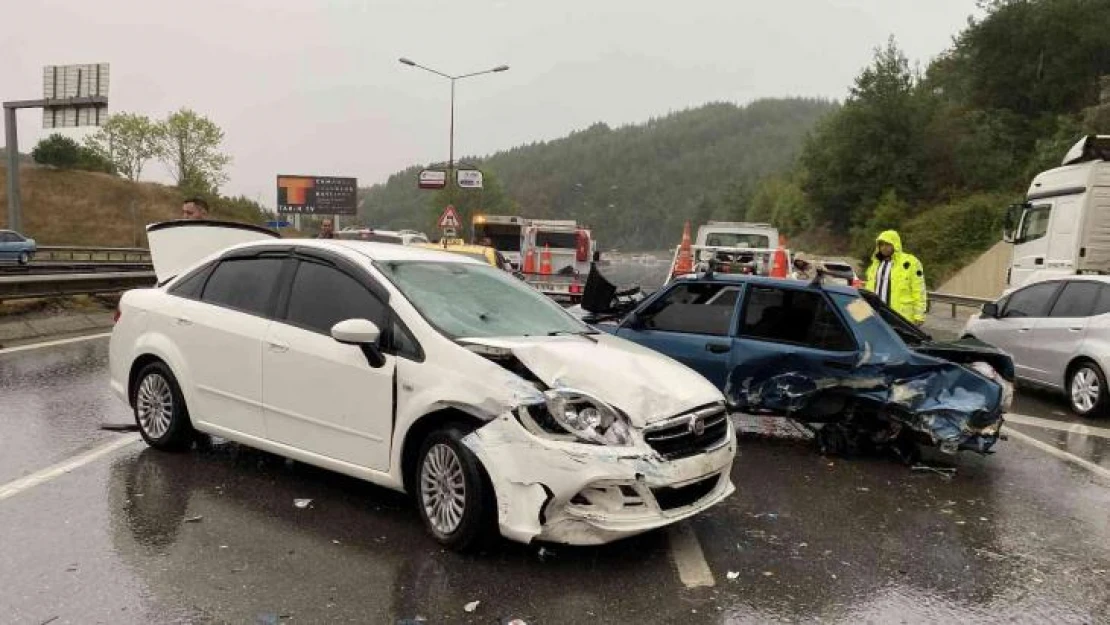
(453, 79)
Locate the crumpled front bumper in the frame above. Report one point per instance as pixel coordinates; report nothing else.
(582, 494)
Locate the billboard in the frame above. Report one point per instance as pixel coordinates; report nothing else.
(67, 82)
(324, 195)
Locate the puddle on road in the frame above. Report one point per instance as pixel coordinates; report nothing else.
(1091, 448)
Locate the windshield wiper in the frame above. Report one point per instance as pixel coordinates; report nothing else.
(586, 334)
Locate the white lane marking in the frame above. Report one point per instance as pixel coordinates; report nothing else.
(688, 557)
(76, 339)
(1060, 426)
(1059, 453)
(38, 478)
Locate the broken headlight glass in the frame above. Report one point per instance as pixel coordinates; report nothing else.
(573, 413)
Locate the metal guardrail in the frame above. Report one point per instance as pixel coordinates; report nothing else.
(62, 285)
(78, 253)
(955, 301)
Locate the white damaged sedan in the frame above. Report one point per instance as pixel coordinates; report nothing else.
(421, 371)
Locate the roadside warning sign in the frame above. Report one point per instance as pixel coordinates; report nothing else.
(449, 218)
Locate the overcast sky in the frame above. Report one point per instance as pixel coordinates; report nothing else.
(314, 86)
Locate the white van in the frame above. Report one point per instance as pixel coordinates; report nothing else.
(1063, 227)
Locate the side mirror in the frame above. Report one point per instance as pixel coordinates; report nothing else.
(990, 310)
(365, 334)
(1011, 221)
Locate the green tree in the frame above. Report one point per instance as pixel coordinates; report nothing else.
(126, 140)
(873, 143)
(189, 145)
(65, 153)
(57, 151)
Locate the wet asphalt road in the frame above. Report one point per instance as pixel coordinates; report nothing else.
(139, 536)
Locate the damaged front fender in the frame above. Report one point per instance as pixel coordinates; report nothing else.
(591, 494)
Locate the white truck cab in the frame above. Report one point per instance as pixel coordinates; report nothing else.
(739, 234)
(1063, 226)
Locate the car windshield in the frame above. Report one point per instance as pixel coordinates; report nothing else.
(880, 342)
(464, 300)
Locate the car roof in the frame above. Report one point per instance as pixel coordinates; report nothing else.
(465, 247)
(370, 249)
(735, 278)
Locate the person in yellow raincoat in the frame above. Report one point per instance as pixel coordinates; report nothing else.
(898, 278)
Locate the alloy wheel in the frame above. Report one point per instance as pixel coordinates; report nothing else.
(1085, 390)
(154, 405)
(443, 488)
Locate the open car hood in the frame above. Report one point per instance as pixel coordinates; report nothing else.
(177, 245)
(644, 384)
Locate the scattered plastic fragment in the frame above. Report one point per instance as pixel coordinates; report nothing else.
(194, 519)
(733, 574)
(302, 503)
(983, 518)
(335, 542)
(223, 546)
(802, 545)
(516, 621)
(470, 607)
(863, 489)
(768, 574)
(945, 472)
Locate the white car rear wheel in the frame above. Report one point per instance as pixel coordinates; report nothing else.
(1087, 390)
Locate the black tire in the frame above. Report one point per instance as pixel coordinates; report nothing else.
(24, 258)
(478, 521)
(178, 433)
(1079, 377)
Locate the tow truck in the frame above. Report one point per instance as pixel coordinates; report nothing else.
(734, 247)
(553, 255)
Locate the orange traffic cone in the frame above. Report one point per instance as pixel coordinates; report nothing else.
(778, 263)
(530, 261)
(685, 262)
(545, 261)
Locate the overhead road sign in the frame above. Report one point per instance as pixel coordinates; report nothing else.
(312, 195)
(433, 179)
(74, 95)
(469, 178)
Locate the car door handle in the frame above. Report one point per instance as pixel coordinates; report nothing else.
(1024, 329)
(184, 321)
(1075, 329)
(280, 348)
(717, 348)
(1038, 261)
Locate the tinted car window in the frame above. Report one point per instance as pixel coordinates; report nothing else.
(1102, 304)
(558, 240)
(322, 296)
(1076, 300)
(1031, 301)
(191, 286)
(7, 237)
(245, 284)
(695, 309)
(799, 317)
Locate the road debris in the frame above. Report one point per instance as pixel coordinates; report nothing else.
(945, 472)
(470, 607)
(119, 427)
(194, 519)
(733, 574)
(302, 503)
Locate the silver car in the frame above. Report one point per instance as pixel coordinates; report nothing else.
(1058, 333)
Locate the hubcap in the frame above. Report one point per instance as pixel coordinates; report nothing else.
(154, 405)
(443, 488)
(1085, 390)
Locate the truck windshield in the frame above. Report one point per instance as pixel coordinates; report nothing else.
(557, 240)
(463, 300)
(738, 239)
(502, 237)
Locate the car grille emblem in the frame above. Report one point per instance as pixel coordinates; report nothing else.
(697, 425)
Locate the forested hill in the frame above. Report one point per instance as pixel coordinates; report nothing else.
(635, 185)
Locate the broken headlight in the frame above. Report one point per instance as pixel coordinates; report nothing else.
(585, 418)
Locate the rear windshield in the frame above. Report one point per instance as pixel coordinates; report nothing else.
(561, 240)
(738, 239)
(504, 237)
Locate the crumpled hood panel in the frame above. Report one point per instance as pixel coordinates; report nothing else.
(644, 384)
